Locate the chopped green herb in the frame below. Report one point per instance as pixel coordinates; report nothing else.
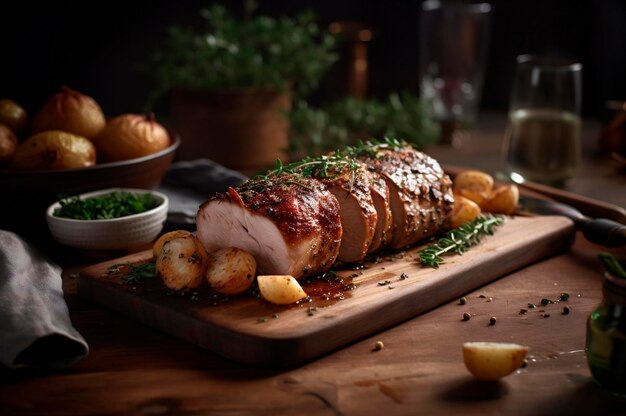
(113, 205)
(460, 239)
(138, 273)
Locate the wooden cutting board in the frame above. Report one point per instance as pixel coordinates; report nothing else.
(248, 329)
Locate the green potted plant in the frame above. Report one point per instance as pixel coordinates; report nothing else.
(343, 122)
(231, 81)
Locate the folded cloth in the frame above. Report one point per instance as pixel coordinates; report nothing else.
(35, 327)
(188, 184)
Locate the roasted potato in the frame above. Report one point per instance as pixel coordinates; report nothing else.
(182, 263)
(231, 270)
(502, 200)
(491, 361)
(8, 144)
(473, 180)
(280, 289)
(465, 210)
(158, 244)
(54, 149)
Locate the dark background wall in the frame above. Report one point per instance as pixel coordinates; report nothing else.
(98, 47)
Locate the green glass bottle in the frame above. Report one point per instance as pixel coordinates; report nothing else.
(606, 337)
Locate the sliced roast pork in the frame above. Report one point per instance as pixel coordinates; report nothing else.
(351, 186)
(420, 192)
(384, 225)
(289, 223)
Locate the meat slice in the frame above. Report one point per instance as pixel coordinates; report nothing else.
(351, 186)
(420, 192)
(384, 224)
(289, 223)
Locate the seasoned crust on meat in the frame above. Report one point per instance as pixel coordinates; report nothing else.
(290, 224)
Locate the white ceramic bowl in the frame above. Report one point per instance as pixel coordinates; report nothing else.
(111, 234)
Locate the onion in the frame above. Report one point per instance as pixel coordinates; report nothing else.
(70, 111)
(130, 136)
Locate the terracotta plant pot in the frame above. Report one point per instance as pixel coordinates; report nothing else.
(243, 130)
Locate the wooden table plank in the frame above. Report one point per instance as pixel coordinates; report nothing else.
(134, 369)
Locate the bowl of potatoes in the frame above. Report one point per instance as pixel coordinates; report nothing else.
(69, 147)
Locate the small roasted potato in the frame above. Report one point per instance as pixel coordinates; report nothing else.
(158, 244)
(476, 196)
(182, 263)
(280, 289)
(231, 270)
(465, 210)
(54, 149)
(490, 361)
(8, 144)
(473, 180)
(502, 200)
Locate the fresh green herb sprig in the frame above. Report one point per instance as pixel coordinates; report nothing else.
(138, 273)
(321, 167)
(325, 166)
(459, 240)
(113, 205)
(371, 147)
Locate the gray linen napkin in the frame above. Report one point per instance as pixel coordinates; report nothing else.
(35, 327)
(188, 184)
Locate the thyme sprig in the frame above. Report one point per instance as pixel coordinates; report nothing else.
(460, 239)
(371, 147)
(320, 167)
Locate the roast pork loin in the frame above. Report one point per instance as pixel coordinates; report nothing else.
(384, 224)
(420, 192)
(351, 187)
(289, 223)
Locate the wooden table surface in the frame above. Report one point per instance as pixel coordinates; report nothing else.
(132, 369)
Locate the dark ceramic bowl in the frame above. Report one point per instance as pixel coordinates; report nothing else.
(25, 195)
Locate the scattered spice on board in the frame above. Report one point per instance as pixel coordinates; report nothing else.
(404, 276)
(378, 346)
(531, 306)
(384, 283)
(545, 301)
(492, 320)
(466, 316)
(262, 320)
(312, 310)
(523, 311)
(566, 310)
(463, 301)
(564, 297)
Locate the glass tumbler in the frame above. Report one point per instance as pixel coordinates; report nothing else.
(453, 46)
(542, 141)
